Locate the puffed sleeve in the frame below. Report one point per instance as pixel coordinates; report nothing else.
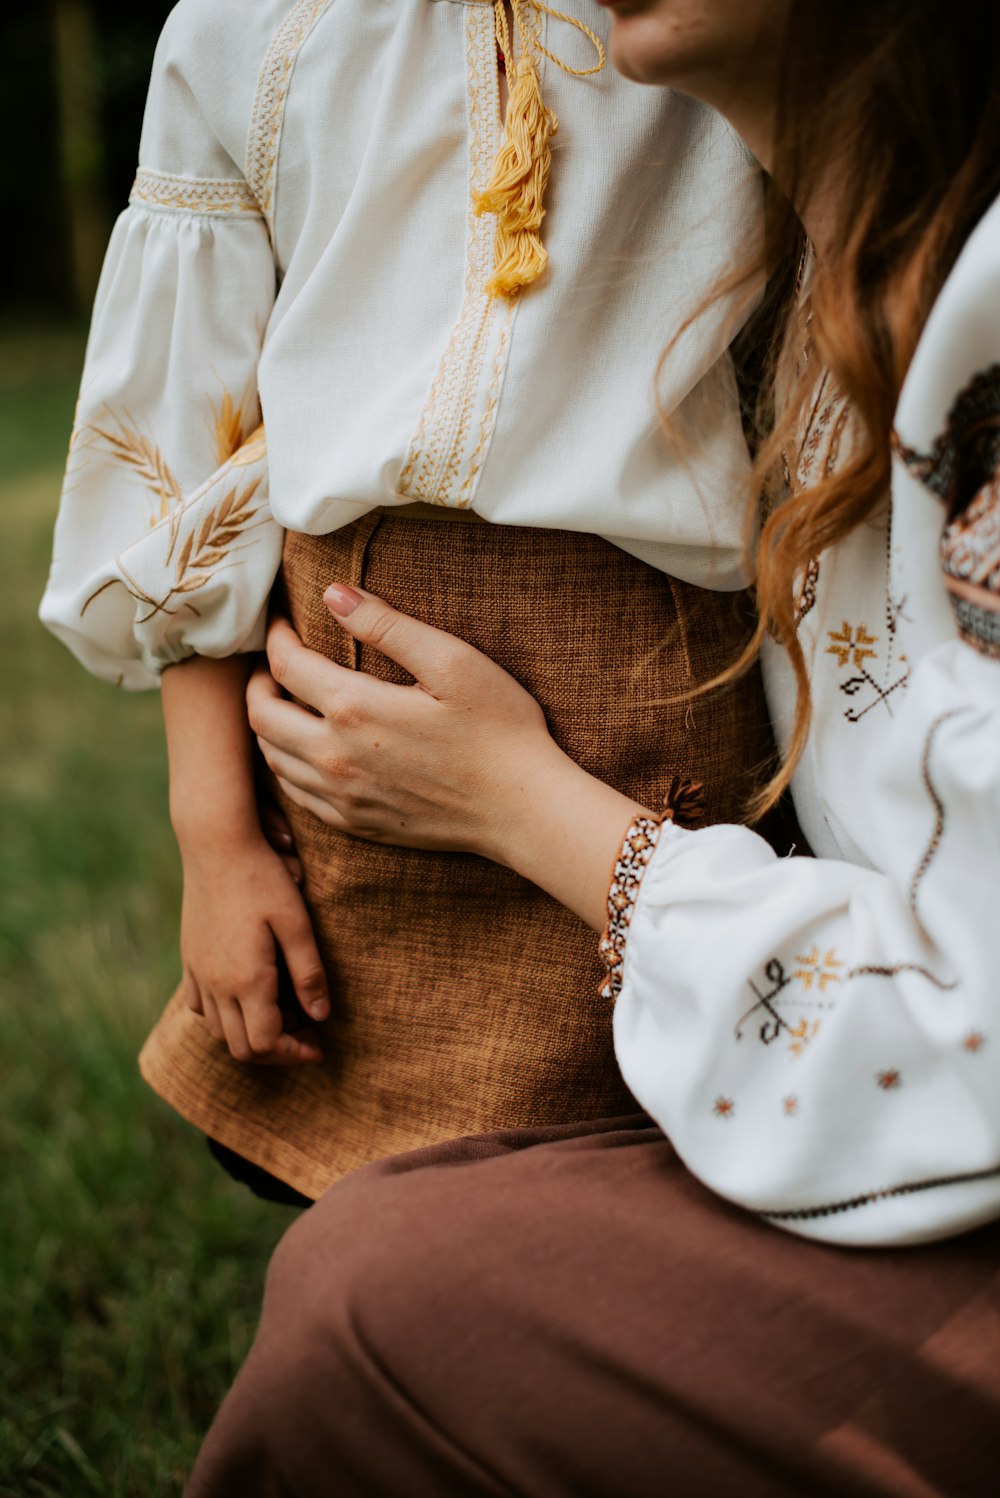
(819, 1039)
(164, 545)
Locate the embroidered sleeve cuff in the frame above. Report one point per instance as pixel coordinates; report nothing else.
(626, 879)
(193, 194)
(683, 805)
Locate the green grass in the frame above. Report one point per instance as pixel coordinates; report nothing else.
(130, 1267)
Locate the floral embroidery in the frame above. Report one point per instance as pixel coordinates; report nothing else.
(802, 1034)
(814, 975)
(821, 970)
(790, 1105)
(631, 864)
(193, 194)
(852, 644)
(853, 647)
(823, 433)
(724, 1107)
(889, 1081)
(876, 670)
(974, 1042)
(769, 1004)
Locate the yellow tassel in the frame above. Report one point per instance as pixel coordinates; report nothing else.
(516, 191)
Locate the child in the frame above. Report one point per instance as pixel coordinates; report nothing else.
(325, 230)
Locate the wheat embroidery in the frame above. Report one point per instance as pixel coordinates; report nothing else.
(230, 422)
(144, 460)
(207, 549)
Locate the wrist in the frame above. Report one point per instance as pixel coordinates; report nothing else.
(562, 829)
(225, 826)
(520, 801)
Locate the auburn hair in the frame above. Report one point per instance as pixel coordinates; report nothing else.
(891, 109)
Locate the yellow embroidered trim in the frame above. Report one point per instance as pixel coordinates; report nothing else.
(439, 467)
(193, 194)
(273, 83)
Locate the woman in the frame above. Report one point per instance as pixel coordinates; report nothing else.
(573, 1312)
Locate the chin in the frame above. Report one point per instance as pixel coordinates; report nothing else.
(640, 50)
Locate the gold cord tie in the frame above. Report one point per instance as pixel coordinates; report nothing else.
(516, 190)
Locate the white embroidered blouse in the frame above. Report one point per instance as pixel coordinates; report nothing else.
(821, 1037)
(299, 244)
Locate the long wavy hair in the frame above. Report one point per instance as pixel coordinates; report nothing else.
(897, 104)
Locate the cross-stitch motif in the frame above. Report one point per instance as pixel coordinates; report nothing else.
(853, 645)
(819, 970)
(783, 990)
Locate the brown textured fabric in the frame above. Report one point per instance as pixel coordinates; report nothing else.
(465, 999)
(568, 1313)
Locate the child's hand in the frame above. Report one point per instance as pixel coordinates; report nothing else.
(241, 906)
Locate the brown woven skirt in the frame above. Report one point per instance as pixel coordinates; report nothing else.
(465, 999)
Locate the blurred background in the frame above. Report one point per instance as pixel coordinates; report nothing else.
(130, 1267)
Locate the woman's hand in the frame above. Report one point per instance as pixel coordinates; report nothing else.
(461, 761)
(428, 766)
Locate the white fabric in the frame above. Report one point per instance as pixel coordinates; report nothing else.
(300, 241)
(821, 1038)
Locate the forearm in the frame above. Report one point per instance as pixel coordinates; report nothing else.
(210, 748)
(562, 829)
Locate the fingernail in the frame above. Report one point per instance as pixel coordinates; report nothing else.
(319, 1010)
(342, 600)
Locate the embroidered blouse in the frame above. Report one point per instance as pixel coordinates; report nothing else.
(821, 1037)
(299, 246)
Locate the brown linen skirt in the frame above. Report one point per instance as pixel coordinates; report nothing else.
(568, 1313)
(465, 999)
